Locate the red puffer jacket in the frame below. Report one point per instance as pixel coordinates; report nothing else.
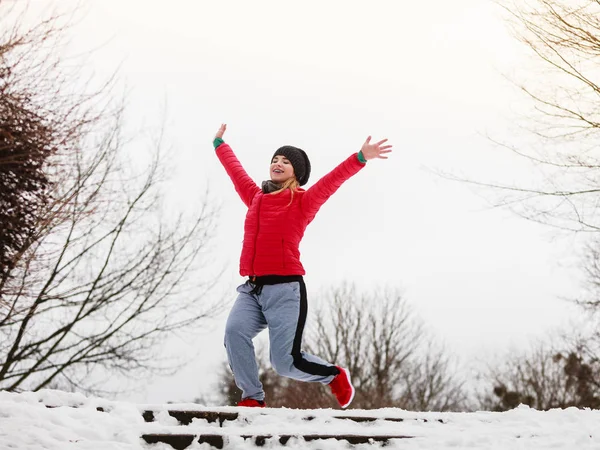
(274, 227)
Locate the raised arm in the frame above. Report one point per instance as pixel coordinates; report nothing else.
(318, 194)
(244, 185)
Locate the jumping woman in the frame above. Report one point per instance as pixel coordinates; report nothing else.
(274, 294)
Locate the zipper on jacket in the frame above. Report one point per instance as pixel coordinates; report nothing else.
(256, 234)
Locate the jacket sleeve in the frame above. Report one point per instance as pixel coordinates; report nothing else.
(244, 185)
(317, 195)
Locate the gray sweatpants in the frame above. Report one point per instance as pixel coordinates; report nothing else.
(282, 308)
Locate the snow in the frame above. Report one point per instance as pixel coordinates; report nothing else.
(79, 422)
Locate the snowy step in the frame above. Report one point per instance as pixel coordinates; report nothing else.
(229, 427)
(250, 426)
(182, 441)
(98, 424)
(185, 417)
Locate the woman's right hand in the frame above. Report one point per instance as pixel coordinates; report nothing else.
(221, 131)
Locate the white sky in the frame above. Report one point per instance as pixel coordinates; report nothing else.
(323, 76)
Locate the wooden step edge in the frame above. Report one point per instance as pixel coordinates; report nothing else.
(182, 441)
(387, 419)
(185, 417)
(179, 441)
(351, 438)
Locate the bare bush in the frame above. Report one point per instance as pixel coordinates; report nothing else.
(543, 378)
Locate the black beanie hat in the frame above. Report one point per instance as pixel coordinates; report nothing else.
(297, 157)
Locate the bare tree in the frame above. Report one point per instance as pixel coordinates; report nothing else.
(431, 382)
(98, 274)
(563, 37)
(373, 335)
(32, 130)
(392, 361)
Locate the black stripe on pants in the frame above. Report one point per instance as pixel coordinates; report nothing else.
(299, 362)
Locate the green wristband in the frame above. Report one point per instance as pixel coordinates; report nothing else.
(361, 157)
(217, 142)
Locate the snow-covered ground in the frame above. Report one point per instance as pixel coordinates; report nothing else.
(76, 422)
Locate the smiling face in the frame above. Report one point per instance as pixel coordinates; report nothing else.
(281, 169)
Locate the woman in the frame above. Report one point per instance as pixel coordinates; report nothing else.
(274, 295)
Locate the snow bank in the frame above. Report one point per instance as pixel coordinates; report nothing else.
(79, 422)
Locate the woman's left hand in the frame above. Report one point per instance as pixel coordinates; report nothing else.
(221, 131)
(377, 150)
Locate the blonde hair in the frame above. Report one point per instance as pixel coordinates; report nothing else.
(291, 184)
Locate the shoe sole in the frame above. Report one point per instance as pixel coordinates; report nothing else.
(353, 390)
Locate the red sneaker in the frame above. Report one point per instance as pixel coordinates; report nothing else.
(250, 402)
(342, 388)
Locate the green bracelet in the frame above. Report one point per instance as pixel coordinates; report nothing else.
(361, 157)
(217, 142)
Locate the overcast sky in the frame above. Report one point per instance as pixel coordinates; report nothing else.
(323, 75)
